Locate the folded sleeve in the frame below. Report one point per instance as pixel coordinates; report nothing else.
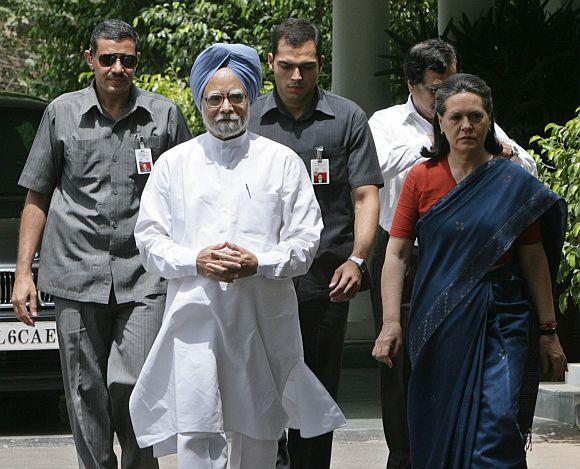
(301, 226)
(531, 235)
(363, 162)
(45, 160)
(407, 212)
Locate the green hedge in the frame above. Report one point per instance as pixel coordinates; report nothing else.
(558, 163)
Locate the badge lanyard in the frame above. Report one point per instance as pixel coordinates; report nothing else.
(143, 157)
(319, 168)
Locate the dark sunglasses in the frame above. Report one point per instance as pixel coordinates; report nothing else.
(235, 98)
(127, 61)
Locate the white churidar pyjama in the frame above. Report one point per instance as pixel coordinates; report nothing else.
(200, 450)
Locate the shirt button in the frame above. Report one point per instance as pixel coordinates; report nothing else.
(115, 191)
(115, 159)
(114, 225)
(113, 258)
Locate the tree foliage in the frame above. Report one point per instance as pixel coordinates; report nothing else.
(559, 167)
(173, 34)
(61, 32)
(530, 58)
(15, 45)
(410, 22)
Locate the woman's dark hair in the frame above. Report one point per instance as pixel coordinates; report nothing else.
(461, 83)
(115, 30)
(297, 31)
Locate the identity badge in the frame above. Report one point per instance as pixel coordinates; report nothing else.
(143, 158)
(319, 168)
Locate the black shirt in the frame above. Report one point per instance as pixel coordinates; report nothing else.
(340, 127)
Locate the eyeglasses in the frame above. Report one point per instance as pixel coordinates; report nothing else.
(216, 100)
(127, 60)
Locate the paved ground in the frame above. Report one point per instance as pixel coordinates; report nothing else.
(359, 446)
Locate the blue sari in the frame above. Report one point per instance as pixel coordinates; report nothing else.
(472, 334)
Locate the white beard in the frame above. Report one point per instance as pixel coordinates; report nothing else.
(225, 126)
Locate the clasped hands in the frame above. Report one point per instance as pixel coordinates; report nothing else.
(226, 262)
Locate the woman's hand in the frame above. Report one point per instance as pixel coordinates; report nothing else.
(552, 357)
(388, 343)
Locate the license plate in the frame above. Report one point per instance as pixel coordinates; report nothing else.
(19, 336)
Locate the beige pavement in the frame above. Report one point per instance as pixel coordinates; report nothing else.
(358, 446)
(555, 446)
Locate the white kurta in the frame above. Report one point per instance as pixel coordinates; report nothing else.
(229, 357)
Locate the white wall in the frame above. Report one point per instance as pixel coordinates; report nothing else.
(358, 37)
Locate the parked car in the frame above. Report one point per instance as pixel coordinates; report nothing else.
(29, 357)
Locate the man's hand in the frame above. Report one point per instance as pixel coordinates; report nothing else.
(345, 282)
(506, 150)
(218, 263)
(24, 292)
(388, 343)
(247, 260)
(552, 357)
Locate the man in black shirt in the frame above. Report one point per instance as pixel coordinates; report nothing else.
(331, 135)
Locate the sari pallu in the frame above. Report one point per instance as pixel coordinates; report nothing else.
(472, 334)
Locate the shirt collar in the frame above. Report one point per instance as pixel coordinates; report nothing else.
(320, 104)
(90, 100)
(411, 112)
(227, 144)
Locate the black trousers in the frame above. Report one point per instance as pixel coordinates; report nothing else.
(323, 325)
(393, 381)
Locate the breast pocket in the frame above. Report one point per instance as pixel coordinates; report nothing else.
(153, 142)
(337, 164)
(82, 160)
(139, 180)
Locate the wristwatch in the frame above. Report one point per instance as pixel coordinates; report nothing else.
(515, 152)
(362, 265)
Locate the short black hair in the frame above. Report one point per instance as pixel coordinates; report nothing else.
(115, 30)
(461, 83)
(297, 31)
(432, 54)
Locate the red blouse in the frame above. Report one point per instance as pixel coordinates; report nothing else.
(425, 184)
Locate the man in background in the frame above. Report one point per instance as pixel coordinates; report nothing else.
(399, 133)
(85, 174)
(332, 137)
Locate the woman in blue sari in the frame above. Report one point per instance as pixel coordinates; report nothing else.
(482, 322)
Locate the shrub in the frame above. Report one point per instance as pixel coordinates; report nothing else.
(529, 56)
(410, 22)
(559, 167)
(175, 33)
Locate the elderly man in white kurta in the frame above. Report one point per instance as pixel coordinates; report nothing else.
(228, 217)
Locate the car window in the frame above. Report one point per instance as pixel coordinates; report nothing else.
(17, 131)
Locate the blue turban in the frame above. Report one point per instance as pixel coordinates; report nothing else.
(240, 59)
